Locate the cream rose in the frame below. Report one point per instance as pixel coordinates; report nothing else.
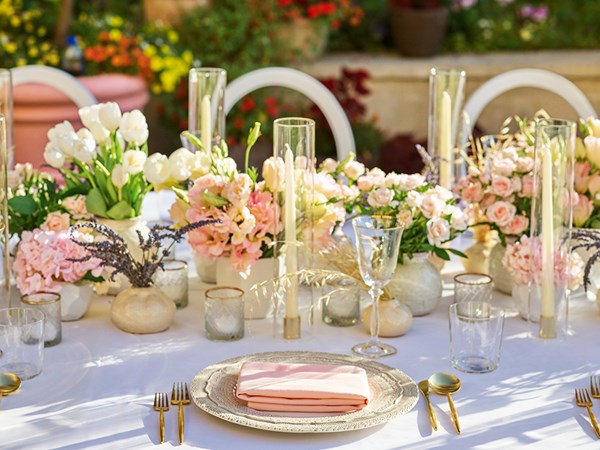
(502, 186)
(438, 231)
(56, 221)
(354, 169)
(380, 197)
(501, 213)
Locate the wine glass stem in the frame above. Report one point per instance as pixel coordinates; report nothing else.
(375, 294)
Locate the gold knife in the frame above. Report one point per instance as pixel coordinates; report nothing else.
(424, 388)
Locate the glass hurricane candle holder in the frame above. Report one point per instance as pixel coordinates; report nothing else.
(446, 101)
(206, 110)
(49, 304)
(5, 288)
(224, 313)
(550, 227)
(172, 279)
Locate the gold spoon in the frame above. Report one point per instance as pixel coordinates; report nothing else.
(9, 382)
(443, 383)
(424, 388)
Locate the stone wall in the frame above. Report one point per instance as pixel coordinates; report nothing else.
(400, 85)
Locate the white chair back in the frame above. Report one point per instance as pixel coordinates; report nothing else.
(306, 85)
(536, 78)
(56, 78)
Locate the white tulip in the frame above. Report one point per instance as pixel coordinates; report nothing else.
(66, 142)
(109, 115)
(134, 128)
(83, 152)
(178, 170)
(229, 165)
(201, 165)
(53, 156)
(100, 133)
(133, 161)
(87, 137)
(58, 130)
(89, 115)
(119, 176)
(156, 169)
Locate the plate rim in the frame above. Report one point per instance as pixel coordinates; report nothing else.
(205, 402)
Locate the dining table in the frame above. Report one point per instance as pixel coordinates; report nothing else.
(97, 386)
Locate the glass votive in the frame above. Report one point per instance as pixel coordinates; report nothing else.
(340, 304)
(49, 304)
(224, 313)
(473, 287)
(21, 341)
(475, 336)
(172, 279)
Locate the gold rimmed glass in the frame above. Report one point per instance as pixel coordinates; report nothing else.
(377, 244)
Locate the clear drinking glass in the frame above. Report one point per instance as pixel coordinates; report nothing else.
(21, 341)
(473, 286)
(224, 313)
(377, 243)
(475, 336)
(172, 279)
(49, 304)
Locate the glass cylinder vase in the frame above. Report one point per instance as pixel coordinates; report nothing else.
(446, 101)
(551, 221)
(294, 163)
(6, 110)
(5, 271)
(206, 107)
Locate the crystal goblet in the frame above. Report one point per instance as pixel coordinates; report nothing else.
(377, 244)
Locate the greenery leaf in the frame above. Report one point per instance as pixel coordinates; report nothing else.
(95, 203)
(120, 211)
(23, 205)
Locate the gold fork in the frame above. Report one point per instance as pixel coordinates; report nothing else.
(595, 386)
(180, 396)
(161, 404)
(582, 398)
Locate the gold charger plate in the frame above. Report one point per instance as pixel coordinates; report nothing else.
(392, 393)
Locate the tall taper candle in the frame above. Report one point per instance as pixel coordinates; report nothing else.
(291, 263)
(445, 140)
(205, 121)
(547, 319)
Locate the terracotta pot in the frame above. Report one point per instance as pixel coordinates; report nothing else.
(418, 32)
(37, 108)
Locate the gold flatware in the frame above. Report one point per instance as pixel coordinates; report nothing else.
(595, 386)
(424, 388)
(161, 404)
(583, 399)
(443, 383)
(180, 396)
(9, 382)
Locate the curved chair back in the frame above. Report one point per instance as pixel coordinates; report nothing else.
(536, 78)
(56, 78)
(306, 85)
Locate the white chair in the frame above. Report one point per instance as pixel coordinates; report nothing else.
(536, 78)
(305, 84)
(58, 79)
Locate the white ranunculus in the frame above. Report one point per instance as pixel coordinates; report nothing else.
(119, 176)
(99, 133)
(83, 152)
(133, 127)
(53, 156)
(58, 130)
(156, 169)
(133, 161)
(89, 115)
(109, 115)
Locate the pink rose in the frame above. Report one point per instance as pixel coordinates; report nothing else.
(526, 186)
(501, 213)
(582, 172)
(473, 192)
(487, 200)
(525, 164)
(75, 205)
(56, 221)
(594, 185)
(502, 166)
(516, 226)
(502, 186)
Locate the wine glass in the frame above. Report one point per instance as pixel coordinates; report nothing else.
(377, 244)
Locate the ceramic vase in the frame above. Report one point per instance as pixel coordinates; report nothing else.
(142, 310)
(395, 318)
(75, 300)
(206, 268)
(478, 257)
(262, 270)
(417, 284)
(502, 279)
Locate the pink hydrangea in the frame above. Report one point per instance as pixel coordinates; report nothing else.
(42, 261)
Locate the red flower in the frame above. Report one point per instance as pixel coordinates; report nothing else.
(247, 104)
(238, 123)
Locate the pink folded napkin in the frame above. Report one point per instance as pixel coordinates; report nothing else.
(303, 387)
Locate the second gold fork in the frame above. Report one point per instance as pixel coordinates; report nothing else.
(180, 396)
(582, 398)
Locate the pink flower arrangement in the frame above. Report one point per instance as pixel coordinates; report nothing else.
(586, 208)
(498, 187)
(521, 256)
(42, 261)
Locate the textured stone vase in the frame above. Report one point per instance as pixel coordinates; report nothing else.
(206, 268)
(502, 279)
(261, 270)
(417, 284)
(75, 300)
(142, 310)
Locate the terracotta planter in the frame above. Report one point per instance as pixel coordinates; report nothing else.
(37, 108)
(418, 32)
